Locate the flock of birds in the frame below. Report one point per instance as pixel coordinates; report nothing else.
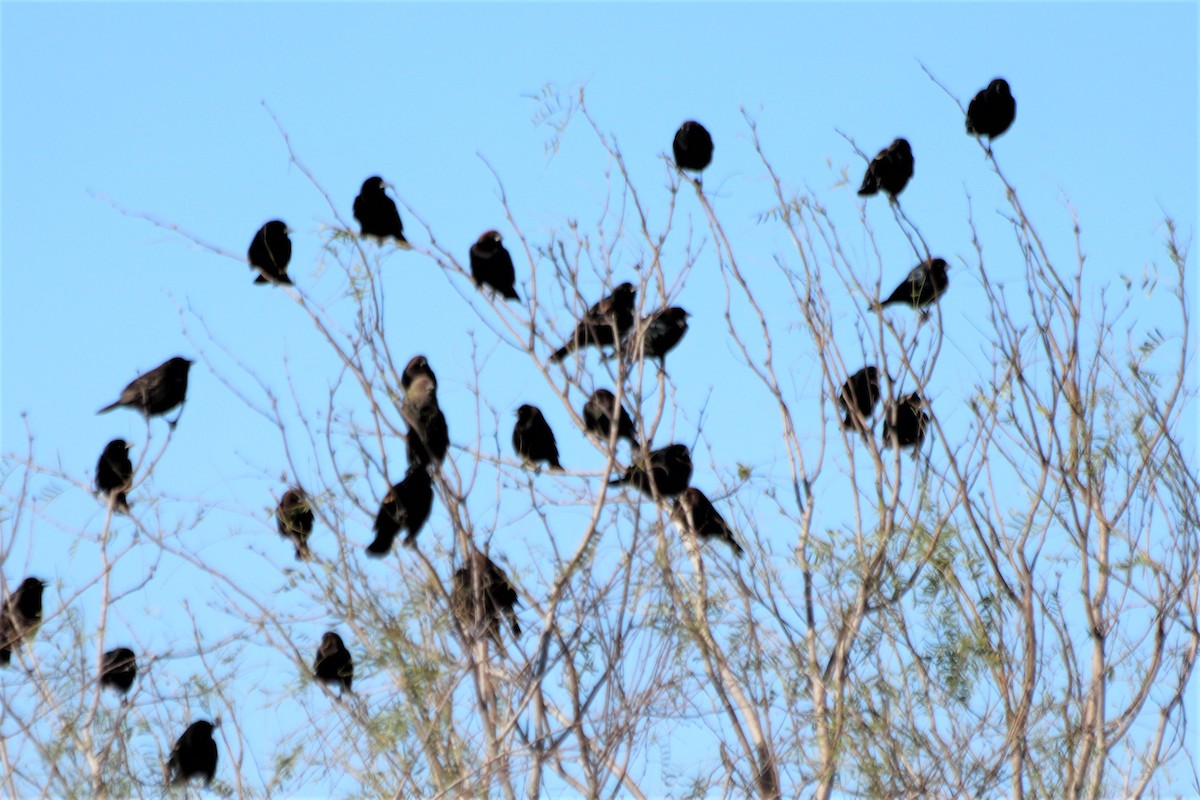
(482, 594)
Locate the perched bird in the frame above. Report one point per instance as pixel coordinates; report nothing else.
(417, 367)
(693, 146)
(114, 473)
(377, 213)
(270, 252)
(925, 283)
(992, 110)
(604, 323)
(294, 520)
(481, 594)
(905, 423)
(491, 265)
(532, 438)
(19, 616)
(695, 514)
(657, 334)
(858, 397)
(118, 669)
(428, 438)
(405, 507)
(890, 170)
(665, 473)
(598, 413)
(333, 663)
(157, 391)
(194, 754)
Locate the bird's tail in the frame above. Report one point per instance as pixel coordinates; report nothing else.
(5, 656)
(302, 551)
(511, 294)
(560, 353)
(282, 280)
(737, 548)
(109, 407)
(380, 547)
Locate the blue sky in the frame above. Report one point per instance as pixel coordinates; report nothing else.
(160, 110)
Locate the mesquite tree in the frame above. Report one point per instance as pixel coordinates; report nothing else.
(1008, 606)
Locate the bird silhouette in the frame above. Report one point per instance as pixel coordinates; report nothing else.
(598, 413)
(118, 669)
(905, 423)
(532, 438)
(157, 391)
(19, 616)
(925, 283)
(195, 753)
(377, 213)
(333, 663)
(664, 473)
(294, 520)
(693, 147)
(695, 514)
(405, 507)
(991, 111)
(858, 397)
(890, 170)
(491, 265)
(657, 334)
(604, 324)
(114, 473)
(428, 436)
(270, 251)
(481, 594)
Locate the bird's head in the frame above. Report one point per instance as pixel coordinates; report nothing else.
(374, 185)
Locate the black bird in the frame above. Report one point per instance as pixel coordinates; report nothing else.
(905, 423)
(491, 265)
(693, 146)
(532, 438)
(925, 283)
(118, 669)
(333, 663)
(377, 213)
(19, 616)
(114, 473)
(417, 367)
(992, 110)
(657, 334)
(598, 413)
(858, 397)
(695, 514)
(428, 438)
(294, 520)
(270, 252)
(194, 754)
(405, 507)
(665, 473)
(157, 391)
(890, 170)
(604, 323)
(481, 594)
